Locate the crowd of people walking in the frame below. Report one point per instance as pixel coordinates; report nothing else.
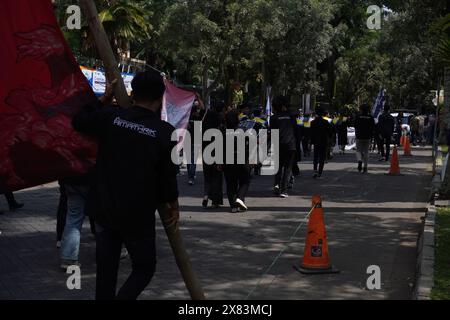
(134, 175)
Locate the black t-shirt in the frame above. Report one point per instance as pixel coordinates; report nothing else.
(287, 125)
(321, 131)
(364, 127)
(196, 115)
(386, 124)
(134, 171)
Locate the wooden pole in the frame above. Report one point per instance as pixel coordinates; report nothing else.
(181, 257)
(112, 72)
(105, 51)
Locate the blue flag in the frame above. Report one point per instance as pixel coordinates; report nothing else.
(379, 104)
(268, 105)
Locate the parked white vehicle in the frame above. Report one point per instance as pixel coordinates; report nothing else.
(351, 138)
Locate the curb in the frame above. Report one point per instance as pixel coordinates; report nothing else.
(426, 241)
(425, 260)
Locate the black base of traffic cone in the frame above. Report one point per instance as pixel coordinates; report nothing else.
(303, 270)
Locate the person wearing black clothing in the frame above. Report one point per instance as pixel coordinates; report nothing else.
(287, 126)
(364, 131)
(197, 114)
(134, 177)
(398, 128)
(321, 131)
(12, 203)
(342, 132)
(237, 175)
(298, 153)
(213, 178)
(306, 135)
(386, 127)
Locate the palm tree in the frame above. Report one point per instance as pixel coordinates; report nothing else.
(124, 22)
(442, 26)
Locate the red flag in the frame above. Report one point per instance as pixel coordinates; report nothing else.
(41, 88)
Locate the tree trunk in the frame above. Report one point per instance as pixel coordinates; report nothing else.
(331, 80)
(205, 79)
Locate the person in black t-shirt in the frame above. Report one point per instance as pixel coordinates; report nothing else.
(213, 178)
(134, 177)
(237, 175)
(386, 127)
(287, 126)
(321, 132)
(364, 131)
(197, 114)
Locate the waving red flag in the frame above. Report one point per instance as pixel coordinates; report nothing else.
(41, 88)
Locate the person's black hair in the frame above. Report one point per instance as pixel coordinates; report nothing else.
(219, 106)
(320, 111)
(148, 86)
(257, 112)
(279, 102)
(365, 108)
(387, 108)
(242, 107)
(232, 119)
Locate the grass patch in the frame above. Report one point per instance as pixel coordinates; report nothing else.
(441, 289)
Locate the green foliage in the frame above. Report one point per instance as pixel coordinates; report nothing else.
(319, 47)
(441, 288)
(441, 28)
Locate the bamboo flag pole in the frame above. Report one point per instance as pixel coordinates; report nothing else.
(182, 259)
(105, 51)
(112, 71)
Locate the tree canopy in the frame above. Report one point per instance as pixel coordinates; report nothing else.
(318, 47)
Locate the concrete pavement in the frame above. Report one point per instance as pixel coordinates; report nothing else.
(371, 219)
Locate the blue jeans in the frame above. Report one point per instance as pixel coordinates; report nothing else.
(76, 198)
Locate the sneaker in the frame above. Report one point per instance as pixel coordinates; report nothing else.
(276, 190)
(360, 166)
(16, 206)
(316, 175)
(215, 206)
(58, 244)
(234, 210)
(65, 264)
(284, 195)
(205, 203)
(191, 182)
(382, 159)
(123, 253)
(241, 204)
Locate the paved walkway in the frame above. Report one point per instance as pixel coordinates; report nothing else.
(371, 219)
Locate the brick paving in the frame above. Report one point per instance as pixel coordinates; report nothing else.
(371, 220)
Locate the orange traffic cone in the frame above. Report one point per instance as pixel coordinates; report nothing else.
(395, 167)
(402, 140)
(316, 259)
(407, 146)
